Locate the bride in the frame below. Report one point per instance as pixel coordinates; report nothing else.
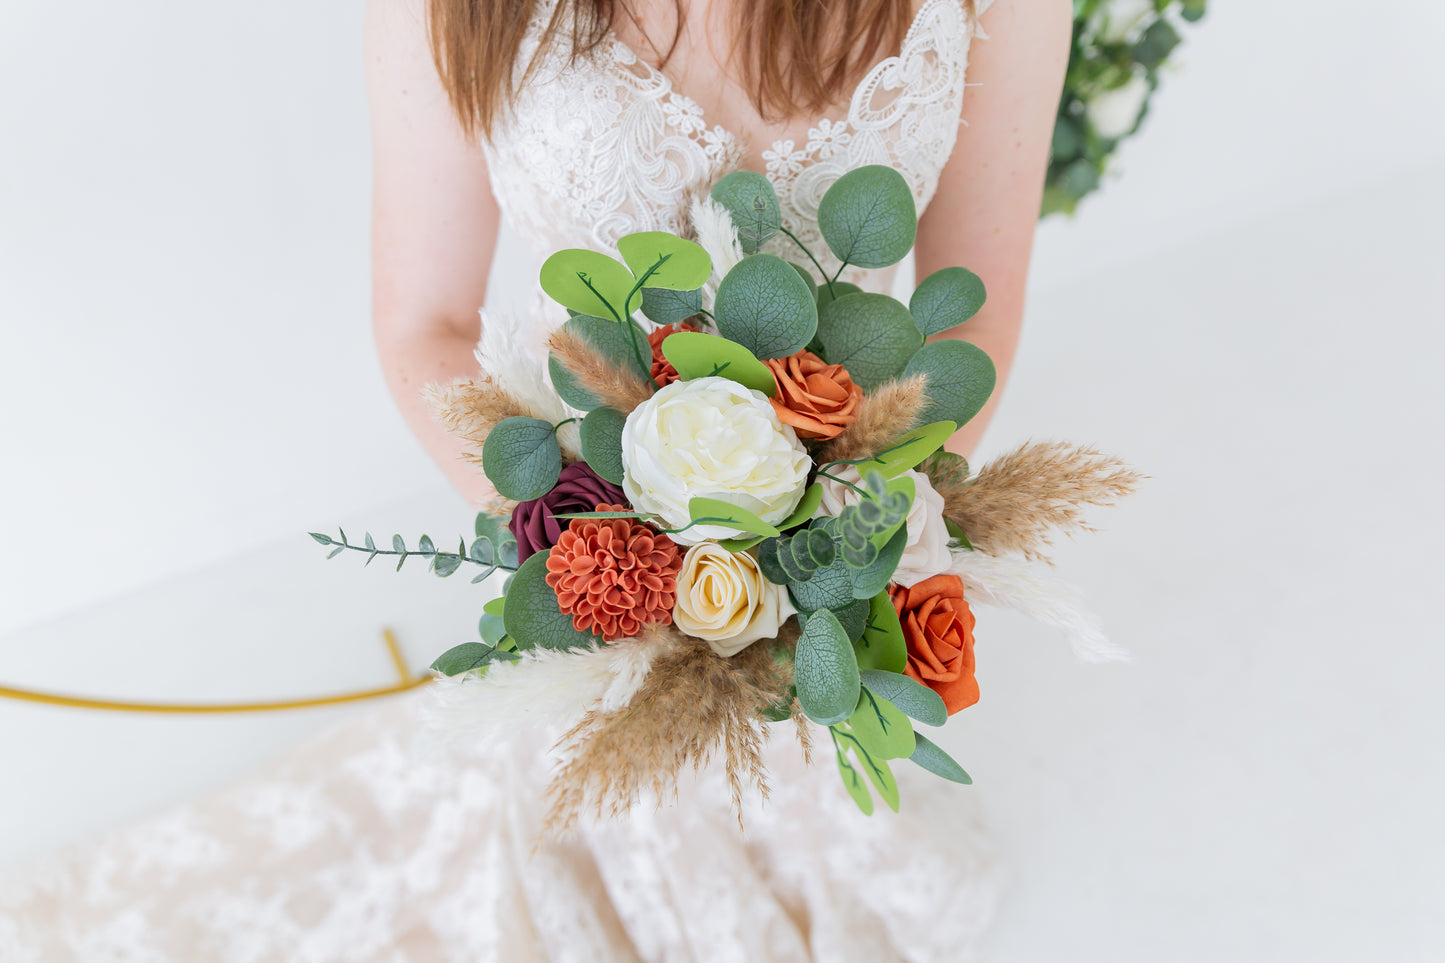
(576, 122)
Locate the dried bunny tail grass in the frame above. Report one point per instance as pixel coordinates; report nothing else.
(713, 227)
(513, 355)
(615, 386)
(544, 687)
(692, 704)
(1010, 581)
(889, 411)
(470, 409)
(1016, 501)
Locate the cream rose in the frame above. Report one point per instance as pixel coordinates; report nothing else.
(925, 553)
(711, 438)
(724, 599)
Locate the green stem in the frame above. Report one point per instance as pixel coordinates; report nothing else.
(631, 329)
(811, 258)
(844, 481)
(605, 303)
(567, 421)
(407, 553)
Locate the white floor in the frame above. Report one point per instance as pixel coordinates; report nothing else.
(1264, 782)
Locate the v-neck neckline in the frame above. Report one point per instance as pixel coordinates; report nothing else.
(697, 110)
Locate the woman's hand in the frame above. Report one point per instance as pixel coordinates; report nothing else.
(988, 198)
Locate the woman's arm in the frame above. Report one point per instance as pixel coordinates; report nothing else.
(987, 204)
(433, 229)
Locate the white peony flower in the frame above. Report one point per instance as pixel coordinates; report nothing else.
(925, 553)
(722, 597)
(711, 438)
(1121, 18)
(1115, 112)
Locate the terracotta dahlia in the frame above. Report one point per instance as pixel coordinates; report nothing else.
(614, 575)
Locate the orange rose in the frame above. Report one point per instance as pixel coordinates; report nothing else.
(662, 370)
(938, 625)
(818, 399)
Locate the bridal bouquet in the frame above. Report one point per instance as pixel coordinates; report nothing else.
(740, 511)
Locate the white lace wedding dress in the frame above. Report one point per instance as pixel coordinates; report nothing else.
(367, 846)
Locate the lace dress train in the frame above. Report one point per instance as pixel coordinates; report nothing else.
(370, 844)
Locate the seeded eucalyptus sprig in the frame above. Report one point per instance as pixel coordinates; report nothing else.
(487, 551)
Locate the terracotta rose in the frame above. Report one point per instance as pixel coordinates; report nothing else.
(818, 399)
(938, 625)
(662, 370)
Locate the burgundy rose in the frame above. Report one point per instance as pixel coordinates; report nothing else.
(579, 489)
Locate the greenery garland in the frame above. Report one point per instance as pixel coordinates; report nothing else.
(1119, 50)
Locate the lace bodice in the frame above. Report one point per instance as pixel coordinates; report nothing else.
(604, 147)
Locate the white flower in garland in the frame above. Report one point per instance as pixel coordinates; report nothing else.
(722, 597)
(1115, 112)
(711, 438)
(925, 553)
(1121, 18)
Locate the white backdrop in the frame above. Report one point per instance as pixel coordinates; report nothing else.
(186, 370)
(1250, 314)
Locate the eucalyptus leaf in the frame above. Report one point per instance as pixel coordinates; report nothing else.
(521, 458)
(825, 670)
(854, 782)
(463, 658)
(876, 769)
(496, 606)
(662, 260)
(662, 306)
(425, 546)
(913, 697)
(812, 498)
(960, 379)
(698, 355)
(868, 217)
(321, 539)
(731, 516)
(807, 278)
(874, 578)
(766, 307)
(882, 645)
(909, 450)
(446, 564)
(881, 727)
(935, 760)
(829, 588)
(752, 203)
(828, 293)
(491, 628)
(587, 282)
(945, 299)
(871, 335)
(483, 551)
(600, 436)
(853, 617)
(532, 616)
(492, 527)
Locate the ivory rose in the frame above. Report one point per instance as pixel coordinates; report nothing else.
(711, 438)
(938, 625)
(723, 598)
(818, 399)
(925, 553)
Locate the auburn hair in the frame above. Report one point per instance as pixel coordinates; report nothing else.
(793, 56)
